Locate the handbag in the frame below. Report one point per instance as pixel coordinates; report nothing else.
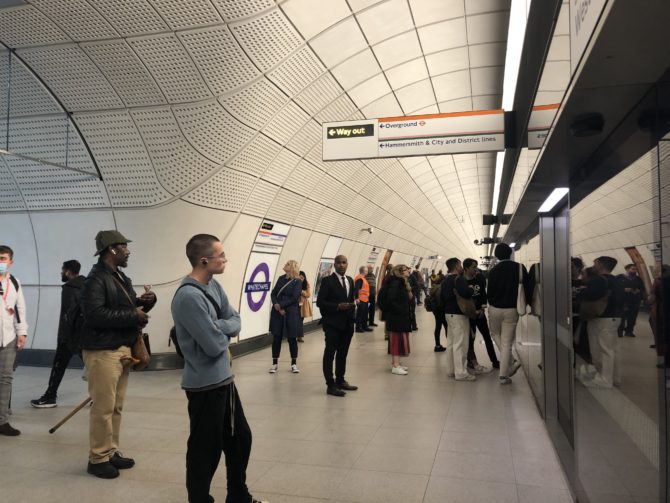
(521, 295)
(467, 306)
(139, 355)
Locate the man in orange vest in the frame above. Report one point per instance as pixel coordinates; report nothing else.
(363, 288)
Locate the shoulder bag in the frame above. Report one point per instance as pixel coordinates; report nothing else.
(521, 295)
(467, 306)
(139, 353)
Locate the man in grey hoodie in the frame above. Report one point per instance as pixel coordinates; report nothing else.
(205, 322)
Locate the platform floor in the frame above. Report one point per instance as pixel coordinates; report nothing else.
(407, 439)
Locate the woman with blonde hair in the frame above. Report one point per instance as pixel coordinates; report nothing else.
(397, 315)
(285, 315)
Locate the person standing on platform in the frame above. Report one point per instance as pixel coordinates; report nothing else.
(435, 295)
(13, 334)
(69, 297)
(285, 315)
(372, 304)
(503, 289)
(336, 300)
(363, 288)
(633, 288)
(459, 326)
(397, 304)
(204, 323)
(114, 317)
(305, 304)
(477, 283)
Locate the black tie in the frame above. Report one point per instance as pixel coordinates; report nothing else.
(343, 284)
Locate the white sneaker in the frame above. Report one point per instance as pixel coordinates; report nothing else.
(468, 377)
(273, 369)
(399, 371)
(295, 369)
(479, 369)
(515, 366)
(597, 382)
(504, 380)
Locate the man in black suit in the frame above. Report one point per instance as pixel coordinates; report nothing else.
(336, 302)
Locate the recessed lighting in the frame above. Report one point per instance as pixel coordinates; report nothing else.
(553, 199)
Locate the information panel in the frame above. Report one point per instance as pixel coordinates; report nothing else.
(541, 119)
(452, 133)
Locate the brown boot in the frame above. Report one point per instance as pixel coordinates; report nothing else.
(6, 429)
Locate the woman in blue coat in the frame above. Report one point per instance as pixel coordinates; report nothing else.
(285, 316)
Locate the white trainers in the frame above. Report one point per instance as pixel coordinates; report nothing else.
(479, 369)
(504, 380)
(468, 377)
(273, 369)
(399, 371)
(515, 366)
(597, 382)
(295, 369)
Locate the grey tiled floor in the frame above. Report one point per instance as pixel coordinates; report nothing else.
(410, 439)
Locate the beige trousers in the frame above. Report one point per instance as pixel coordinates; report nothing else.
(107, 383)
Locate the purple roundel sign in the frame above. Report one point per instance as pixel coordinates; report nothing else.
(257, 284)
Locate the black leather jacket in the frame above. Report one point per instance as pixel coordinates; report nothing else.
(111, 318)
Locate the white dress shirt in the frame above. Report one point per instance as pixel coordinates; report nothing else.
(346, 282)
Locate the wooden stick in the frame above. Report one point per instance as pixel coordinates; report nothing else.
(67, 418)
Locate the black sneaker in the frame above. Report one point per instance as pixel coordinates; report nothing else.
(439, 349)
(334, 390)
(103, 470)
(121, 463)
(45, 402)
(6, 429)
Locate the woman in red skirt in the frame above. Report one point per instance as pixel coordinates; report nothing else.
(397, 316)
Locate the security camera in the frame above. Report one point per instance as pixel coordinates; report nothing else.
(476, 241)
(370, 230)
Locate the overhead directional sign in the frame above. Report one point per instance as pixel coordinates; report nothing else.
(452, 133)
(541, 118)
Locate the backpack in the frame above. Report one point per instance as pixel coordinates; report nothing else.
(15, 282)
(73, 320)
(428, 304)
(435, 297)
(173, 331)
(382, 298)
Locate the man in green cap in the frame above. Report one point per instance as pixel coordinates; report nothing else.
(114, 317)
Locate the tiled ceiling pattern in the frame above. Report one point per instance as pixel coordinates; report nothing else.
(220, 103)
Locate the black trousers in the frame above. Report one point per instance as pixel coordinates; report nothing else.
(61, 360)
(217, 425)
(483, 326)
(362, 315)
(337, 347)
(372, 305)
(440, 321)
(292, 346)
(631, 308)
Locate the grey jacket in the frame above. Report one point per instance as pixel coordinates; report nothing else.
(202, 337)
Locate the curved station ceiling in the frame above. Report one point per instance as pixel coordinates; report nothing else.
(219, 103)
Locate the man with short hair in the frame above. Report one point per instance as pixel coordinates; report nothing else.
(503, 290)
(372, 304)
(114, 317)
(336, 301)
(633, 288)
(69, 297)
(363, 289)
(13, 334)
(603, 340)
(459, 326)
(204, 323)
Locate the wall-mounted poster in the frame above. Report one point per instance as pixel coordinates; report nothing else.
(374, 255)
(325, 269)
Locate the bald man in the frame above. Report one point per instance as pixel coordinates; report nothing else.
(336, 300)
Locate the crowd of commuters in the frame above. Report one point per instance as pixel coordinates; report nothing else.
(108, 317)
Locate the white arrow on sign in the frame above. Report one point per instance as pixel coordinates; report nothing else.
(331, 132)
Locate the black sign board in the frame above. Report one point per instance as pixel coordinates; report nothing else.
(356, 131)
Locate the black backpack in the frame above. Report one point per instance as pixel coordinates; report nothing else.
(73, 320)
(15, 282)
(173, 331)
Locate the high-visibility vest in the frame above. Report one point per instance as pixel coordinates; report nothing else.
(364, 291)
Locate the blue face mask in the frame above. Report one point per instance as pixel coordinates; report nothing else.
(3, 267)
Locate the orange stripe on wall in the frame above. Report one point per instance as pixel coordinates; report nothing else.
(440, 116)
(547, 107)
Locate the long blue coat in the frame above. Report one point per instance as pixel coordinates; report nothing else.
(289, 299)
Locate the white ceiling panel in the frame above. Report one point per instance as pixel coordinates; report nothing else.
(70, 73)
(257, 156)
(324, 91)
(221, 61)
(416, 96)
(398, 50)
(339, 42)
(125, 72)
(384, 107)
(172, 67)
(444, 35)
(385, 20)
(183, 15)
(310, 21)
(131, 17)
(267, 39)
(356, 69)
(407, 73)
(369, 91)
(448, 61)
(482, 6)
(432, 11)
(227, 190)
(256, 104)
(238, 9)
(492, 54)
(297, 72)
(486, 28)
(26, 26)
(78, 18)
(487, 80)
(28, 96)
(454, 85)
(260, 198)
